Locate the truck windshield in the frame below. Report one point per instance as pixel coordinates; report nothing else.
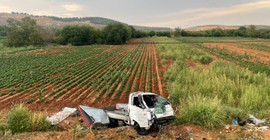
(154, 100)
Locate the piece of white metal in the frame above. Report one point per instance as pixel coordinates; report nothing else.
(60, 116)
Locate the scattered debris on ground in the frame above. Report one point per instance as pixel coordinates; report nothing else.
(60, 116)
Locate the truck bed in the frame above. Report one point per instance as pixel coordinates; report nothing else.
(117, 114)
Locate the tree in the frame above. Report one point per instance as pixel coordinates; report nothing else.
(140, 34)
(251, 31)
(184, 33)
(132, 31)
(48, 34)
(22, 33)
(163, 33)
(177, 31)
(217, 32)
(115, 33)
(78, 35)
(152, 33)
(2, 31)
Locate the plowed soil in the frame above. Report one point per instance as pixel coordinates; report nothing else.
(83, 95)
(262, 56)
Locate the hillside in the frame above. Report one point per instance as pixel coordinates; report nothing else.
(210, 27)
(97, 22)
(224, 27)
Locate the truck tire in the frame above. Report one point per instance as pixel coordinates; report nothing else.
(141, 131)
(113, 123)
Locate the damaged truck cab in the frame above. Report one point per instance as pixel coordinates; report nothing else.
(144, 111)
(148, 109)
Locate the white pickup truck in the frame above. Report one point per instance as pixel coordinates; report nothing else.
(143, 111)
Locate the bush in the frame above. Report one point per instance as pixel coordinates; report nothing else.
(115, 33)
(77, 35)
(20, 119)
(205, 59)
(202, 111)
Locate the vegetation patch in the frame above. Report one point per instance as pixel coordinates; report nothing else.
(20, 119)
(205, 59)
(202, 92)
(203, 111)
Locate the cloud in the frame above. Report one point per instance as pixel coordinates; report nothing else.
(5, 9)
(72, 7)
(191, 15)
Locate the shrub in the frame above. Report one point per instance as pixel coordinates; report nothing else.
(203, 111)
(115, 33)
(205, 59)
(20, 119)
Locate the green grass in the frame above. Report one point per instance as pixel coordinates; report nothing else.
(13, 50)
(203, 111)
(202, 93)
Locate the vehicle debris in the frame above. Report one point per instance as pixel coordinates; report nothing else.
(254, 120)
(239, 121)
(94, 117)
(144, 111)
(263, 128)
(60, 116)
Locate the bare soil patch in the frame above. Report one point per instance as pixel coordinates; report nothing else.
(262, 56)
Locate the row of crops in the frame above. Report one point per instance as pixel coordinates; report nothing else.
(244, 60)
(220, 40)
(261, 46)
(94, 72)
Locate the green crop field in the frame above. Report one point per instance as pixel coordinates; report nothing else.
(94, 75)
(209, 79)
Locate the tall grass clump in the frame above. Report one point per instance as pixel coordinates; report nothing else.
(20, 119)
(180, 51)
(235, 87)
(205, 59)
(222, 86)
(203, 111)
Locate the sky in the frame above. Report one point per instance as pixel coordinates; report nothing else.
(158, 13)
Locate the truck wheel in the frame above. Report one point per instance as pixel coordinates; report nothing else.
(141, 131)
(113, 123)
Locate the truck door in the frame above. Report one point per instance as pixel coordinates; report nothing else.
(138, 112)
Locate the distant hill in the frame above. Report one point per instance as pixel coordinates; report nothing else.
(224, 27)
(97, 22)
(263, 27)
(210, 27)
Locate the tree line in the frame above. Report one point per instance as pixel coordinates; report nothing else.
(249, 31)
(26, 32)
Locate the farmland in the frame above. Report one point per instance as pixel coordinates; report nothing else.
(99, 75)
(210, 80)
(234, 84)
(68, 76)
(249, 53)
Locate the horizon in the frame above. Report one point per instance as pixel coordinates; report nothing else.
(170, 14)
(14, 12)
